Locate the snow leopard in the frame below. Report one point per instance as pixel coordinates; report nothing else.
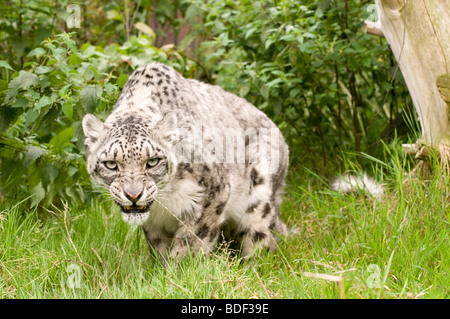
(188, 162)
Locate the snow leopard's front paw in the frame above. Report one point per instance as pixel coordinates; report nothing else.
(179, 252)
(186, 247)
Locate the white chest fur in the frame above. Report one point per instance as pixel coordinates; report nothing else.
(174, 202)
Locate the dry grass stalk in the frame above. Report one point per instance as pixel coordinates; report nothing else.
(339, 280)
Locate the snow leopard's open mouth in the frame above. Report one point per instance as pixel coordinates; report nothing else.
(135, 209)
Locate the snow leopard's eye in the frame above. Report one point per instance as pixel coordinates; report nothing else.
(153, 162)
(110, 165)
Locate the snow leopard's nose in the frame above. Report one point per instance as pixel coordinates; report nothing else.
(133, 196)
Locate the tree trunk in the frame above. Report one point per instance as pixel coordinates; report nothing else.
(418, 32)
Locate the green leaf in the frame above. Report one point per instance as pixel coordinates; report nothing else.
(293, 93)
(319, 13)
(191, 13)
(268, 43)
(24, 80)
(71, 192)
(276, 103)
(264, 90)
(274, 82)
(250, 32)
(145, 28)
(31, 116)
(90, 97)
(113, 15)
(67, 109)
(4, 64)
(38, 193)
(121, 80)
(42, 69)
(63, 137)
(109, 88)
(43, 101)
(74, 59)
(20, 103)
(36, 51)
(49, 173)
(32, 153)
(72, 170)
(187, 40)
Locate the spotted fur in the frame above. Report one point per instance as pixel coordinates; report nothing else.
(181, 188)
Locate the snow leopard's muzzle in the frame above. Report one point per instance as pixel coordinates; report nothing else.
(134, 196)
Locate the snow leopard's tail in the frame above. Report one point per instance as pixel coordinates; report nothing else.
(353, 183)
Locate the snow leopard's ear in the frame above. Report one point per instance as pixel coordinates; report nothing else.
(93, 129)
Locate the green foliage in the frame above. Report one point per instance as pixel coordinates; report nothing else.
(41, 139)
(310, 66)
(43, 102)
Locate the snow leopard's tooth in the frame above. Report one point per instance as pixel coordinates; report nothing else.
(134, 207)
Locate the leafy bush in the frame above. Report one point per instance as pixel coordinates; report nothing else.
(41, 140)
(310, 66)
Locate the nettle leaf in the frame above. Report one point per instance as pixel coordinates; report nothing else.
(44, 82)
(30, 116)
(23, 81)
(145, 28)
(43, 69)
(121, 80)
(109, 88)
(73, 194)
(264, 90)
(36, 51)
(20, 103)
(72, 170)
(33, 94)
(62, 138)
(38, 193)
(4, 64)
(49, 174)
(67, 109)
(90, 97)
(191, 13)
(187, 40)
(32, 153)
(43, 101)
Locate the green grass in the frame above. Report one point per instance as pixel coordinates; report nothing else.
(403, 241)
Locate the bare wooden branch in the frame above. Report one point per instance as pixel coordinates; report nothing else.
(373, 28)
(418, 33)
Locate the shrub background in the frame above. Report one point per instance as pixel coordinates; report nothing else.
(309, 66)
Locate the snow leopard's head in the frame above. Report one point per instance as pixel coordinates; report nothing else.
(131, 159)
